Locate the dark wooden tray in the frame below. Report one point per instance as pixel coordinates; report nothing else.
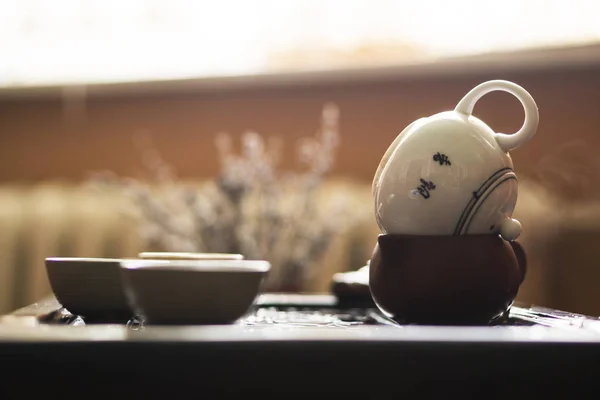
(300, 344)
(324, 310)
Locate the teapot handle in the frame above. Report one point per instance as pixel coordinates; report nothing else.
(529, 128)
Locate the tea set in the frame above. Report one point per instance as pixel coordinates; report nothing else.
(158, 288)
(444, 194)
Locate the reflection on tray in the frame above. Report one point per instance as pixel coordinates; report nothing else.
(301, 310)
(262, 316)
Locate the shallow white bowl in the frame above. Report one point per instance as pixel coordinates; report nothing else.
(89, 287)
(193, 292)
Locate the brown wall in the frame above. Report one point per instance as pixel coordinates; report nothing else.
(45, 138)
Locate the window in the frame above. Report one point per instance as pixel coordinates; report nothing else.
(72, 41)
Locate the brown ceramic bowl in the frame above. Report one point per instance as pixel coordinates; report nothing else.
(193, 292)
(445, 280)
(89, 287)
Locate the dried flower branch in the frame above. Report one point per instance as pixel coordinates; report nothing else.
(250, 208)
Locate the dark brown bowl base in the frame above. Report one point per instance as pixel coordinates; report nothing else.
(445, 280)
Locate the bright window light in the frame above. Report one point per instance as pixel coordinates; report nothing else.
(59, 42)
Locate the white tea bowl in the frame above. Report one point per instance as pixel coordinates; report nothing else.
(89, 287)
(193, 292)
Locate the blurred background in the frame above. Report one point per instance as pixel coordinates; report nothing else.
(257, 127)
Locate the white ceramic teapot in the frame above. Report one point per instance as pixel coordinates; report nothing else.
(451, 174)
